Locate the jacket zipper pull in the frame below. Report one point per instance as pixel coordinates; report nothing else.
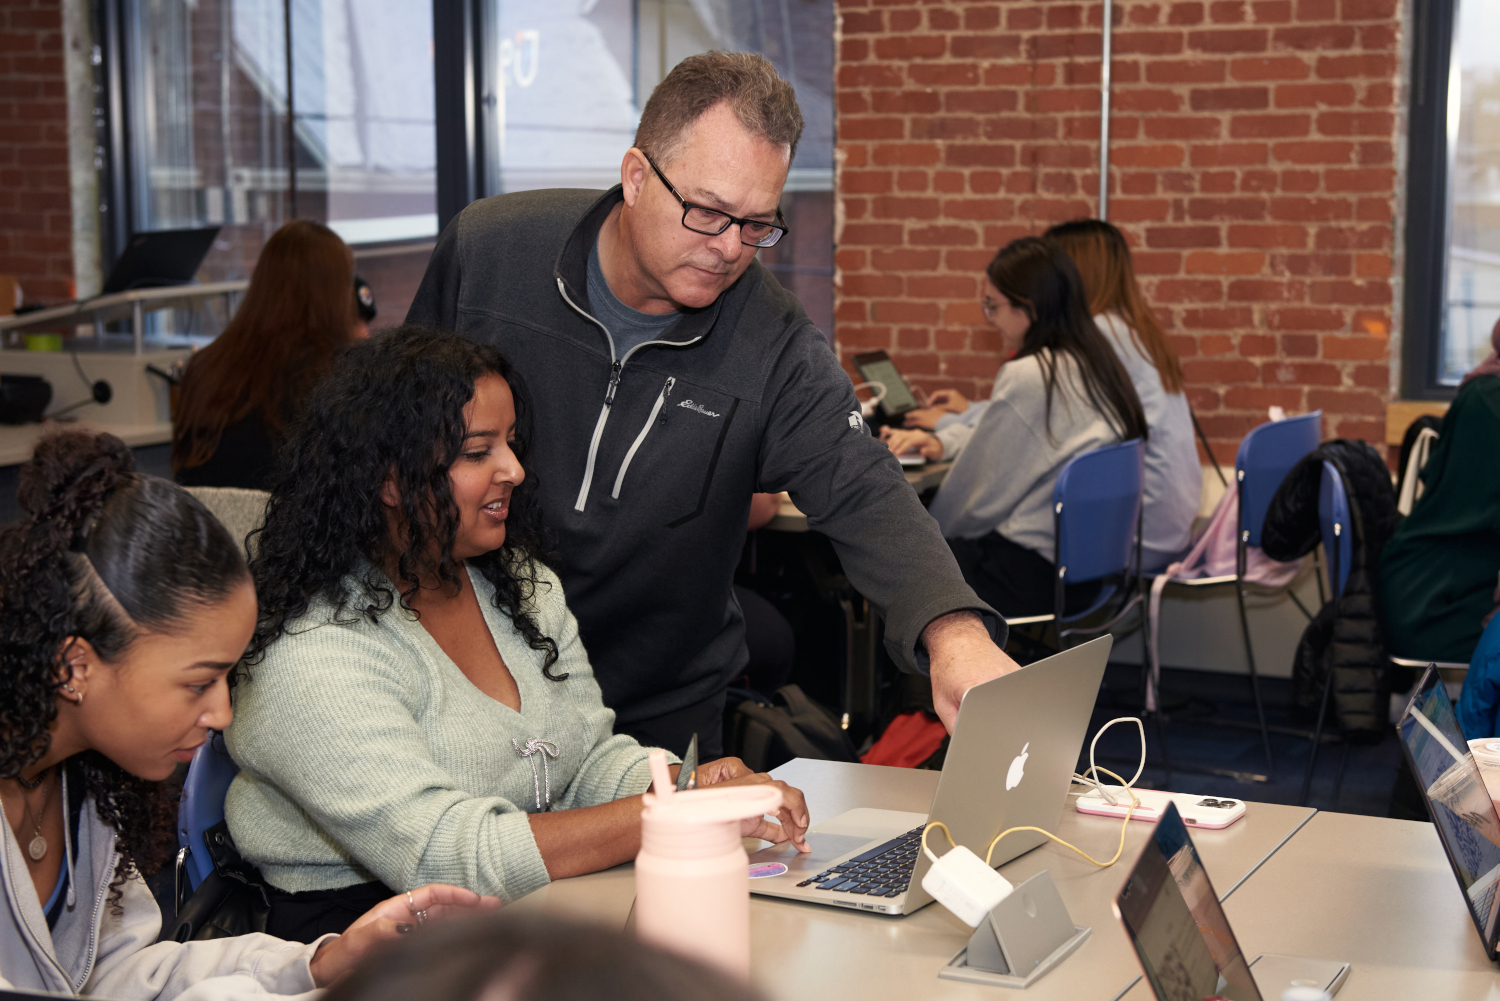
(614, 383)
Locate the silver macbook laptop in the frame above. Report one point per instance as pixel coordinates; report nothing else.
(1010, 764)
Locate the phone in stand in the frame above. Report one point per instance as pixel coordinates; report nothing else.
(1211, 812)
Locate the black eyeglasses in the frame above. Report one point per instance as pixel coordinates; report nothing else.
(712, 222)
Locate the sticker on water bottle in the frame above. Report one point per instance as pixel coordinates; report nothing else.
(761, 870)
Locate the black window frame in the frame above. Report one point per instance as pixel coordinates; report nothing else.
(457, 27)
(1427, 202)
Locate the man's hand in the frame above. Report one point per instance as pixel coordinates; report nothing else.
(389, 918)
(900, 441)
(962, 655)
(793, 812)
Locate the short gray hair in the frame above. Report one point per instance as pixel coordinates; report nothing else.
(764, 103)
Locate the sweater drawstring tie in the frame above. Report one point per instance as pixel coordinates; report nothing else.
(538, 747)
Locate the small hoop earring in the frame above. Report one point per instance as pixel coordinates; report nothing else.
(73, 691)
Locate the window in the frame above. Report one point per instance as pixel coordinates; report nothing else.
(565, 83)
(207, 140)
(1453, 198)
(1473, 285)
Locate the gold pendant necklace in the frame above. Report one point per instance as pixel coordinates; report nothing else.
(37, 849)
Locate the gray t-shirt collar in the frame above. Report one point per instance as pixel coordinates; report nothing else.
(627, 327)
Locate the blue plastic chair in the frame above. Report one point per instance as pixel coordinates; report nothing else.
(201, 807)
(1334, 522)
(1265, 457)
(1096, 512)
(1333, 517)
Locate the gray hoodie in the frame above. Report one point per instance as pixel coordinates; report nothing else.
(646, 462)
(98, 950)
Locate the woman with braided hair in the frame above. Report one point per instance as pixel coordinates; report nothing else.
(123, 607)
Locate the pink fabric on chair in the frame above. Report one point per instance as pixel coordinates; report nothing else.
(1213, 555)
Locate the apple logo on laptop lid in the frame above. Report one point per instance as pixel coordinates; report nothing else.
(1017, 769)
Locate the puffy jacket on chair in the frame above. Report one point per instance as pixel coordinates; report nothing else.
(1346, 635)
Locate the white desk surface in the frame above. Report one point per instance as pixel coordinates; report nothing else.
(923, 478)
(801, 951)
(17, 440)
(1375, 893)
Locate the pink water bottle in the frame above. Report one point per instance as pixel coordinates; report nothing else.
(692, 883)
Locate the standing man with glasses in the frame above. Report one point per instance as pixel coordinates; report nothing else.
(671, 378)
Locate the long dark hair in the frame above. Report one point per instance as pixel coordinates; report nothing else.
(393, 403)
(1038, 276)
(105, 554)
(1103, 259)
(298, 313)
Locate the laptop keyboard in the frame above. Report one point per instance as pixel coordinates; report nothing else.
(883, 871)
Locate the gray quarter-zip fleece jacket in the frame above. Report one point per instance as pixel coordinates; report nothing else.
(646, 462)
(96, 950)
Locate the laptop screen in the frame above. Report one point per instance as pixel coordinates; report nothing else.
(878, 367)
(1461, 807)
(1177, 925)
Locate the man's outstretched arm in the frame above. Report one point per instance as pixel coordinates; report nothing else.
(962, 655)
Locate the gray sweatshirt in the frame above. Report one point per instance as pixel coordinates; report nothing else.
(1003, 478)
(95, 950)
(1173, 482)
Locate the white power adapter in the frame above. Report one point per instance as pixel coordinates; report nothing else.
(961, 882)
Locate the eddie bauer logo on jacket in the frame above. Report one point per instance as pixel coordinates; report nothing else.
(690, 405)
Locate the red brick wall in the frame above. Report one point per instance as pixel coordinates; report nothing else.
(1252, 167)
(35, 218)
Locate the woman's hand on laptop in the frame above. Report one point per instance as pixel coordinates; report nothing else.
(793, 812)
(944, 401)
(949, 400)
(927, 417)
(901, 441)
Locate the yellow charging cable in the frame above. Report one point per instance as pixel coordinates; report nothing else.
(1134, 802)
(990, 853)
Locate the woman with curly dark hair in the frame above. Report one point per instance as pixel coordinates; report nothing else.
(418, 703)
(123, 607)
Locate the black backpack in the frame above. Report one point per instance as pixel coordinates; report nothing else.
(766, 733)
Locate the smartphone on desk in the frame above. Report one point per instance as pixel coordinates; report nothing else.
(1211, 812)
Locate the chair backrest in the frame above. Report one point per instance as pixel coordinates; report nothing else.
(1097, 504)
(239, 510)
(1266, 455)
(1333, 516)
(1411, 474)
(202, 805)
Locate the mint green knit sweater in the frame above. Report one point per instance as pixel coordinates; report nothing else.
(367, 754)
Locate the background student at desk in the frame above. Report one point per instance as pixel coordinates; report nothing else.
(241, 392)
(1173, 483)
(1063, 392)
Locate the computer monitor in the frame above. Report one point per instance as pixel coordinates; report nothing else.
(1460, 805)
(161, 257)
